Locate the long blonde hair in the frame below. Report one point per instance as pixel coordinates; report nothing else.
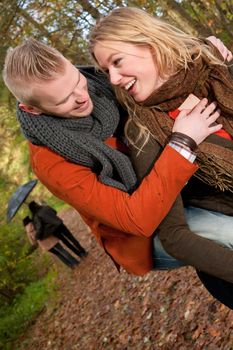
(172, 48)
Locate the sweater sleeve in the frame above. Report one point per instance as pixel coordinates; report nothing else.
(139, 213)
(184, 245)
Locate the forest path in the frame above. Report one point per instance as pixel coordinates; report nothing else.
(99, 308)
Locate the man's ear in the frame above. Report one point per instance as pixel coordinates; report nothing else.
(30, 109)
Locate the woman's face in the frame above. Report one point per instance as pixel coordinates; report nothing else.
(130, 67)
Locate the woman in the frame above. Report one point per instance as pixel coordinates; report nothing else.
(154, 68)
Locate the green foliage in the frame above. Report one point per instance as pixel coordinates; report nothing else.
(23, 287)
(13, 153)
(25, 307)
(16, 263)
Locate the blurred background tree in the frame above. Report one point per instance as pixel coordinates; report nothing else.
(66, 23)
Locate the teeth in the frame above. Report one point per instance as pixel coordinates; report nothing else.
(128, 86)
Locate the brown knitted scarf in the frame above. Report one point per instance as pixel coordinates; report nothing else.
(215, 155)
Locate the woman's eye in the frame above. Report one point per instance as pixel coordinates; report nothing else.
(117, 61)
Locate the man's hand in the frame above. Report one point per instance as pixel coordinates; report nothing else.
(226, 54)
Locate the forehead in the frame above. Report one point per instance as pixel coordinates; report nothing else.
(104, 51)
(54, 90)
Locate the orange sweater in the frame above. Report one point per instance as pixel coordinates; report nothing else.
(123, 224)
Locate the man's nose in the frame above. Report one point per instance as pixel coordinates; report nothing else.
(80, 95)
(114, 76)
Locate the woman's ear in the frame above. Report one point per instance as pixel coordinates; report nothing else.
(30, 109)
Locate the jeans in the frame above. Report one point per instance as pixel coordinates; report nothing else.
(63, 255)
(212, 225)
(70, 241)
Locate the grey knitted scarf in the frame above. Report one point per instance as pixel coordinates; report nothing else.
(80, 140)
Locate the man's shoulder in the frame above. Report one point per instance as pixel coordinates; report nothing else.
(47, 164)
(42, 153)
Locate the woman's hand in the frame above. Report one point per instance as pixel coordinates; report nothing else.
(198, 123)
(226, 54)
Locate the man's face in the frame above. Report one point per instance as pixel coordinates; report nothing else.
(66, 96)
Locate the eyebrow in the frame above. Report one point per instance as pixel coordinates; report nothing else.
(66, 98)
(113, 54)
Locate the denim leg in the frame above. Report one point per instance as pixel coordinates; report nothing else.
(212, 225)
(67, 243)
(71, 238)
(63, 255)
(161, 259)
(209, 224)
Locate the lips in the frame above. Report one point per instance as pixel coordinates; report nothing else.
(130, 84)
(83, 106)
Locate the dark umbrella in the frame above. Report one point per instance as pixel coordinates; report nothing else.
(19, 197)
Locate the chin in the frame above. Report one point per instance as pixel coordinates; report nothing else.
(83, 114)
(139, 99)
(144, 97)
(88, 111)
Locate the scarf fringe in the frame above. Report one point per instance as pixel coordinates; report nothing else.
(213, 174)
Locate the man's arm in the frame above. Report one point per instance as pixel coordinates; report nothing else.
(138, 214)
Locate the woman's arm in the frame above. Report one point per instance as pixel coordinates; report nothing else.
(184, 245)
(226, 54)
(176, 237)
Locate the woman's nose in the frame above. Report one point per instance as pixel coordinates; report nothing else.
(114, 76)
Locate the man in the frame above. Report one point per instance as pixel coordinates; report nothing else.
(46, 83)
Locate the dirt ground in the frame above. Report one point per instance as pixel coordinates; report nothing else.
(98, 308)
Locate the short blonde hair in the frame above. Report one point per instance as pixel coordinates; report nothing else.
(28, 63)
